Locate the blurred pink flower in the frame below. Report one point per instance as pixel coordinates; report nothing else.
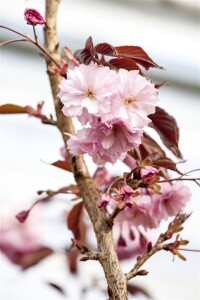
(101, 176)
(147, 172)
(33, 17)
(139, 212)
(127, 192)
(63, 152)
(130, 241)
(149, 209)
(172, 201)
(104, 200)
(138, 98)
(88, 87)
(107, 142)
(18, 240)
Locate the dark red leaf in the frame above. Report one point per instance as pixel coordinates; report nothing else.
(87, 54)
(16, 109)
(125, 63)
(12, 109)
(138, 54)
(135, 289)
(62, 164)
(31, 259)
(167, 128)
(165, 162)
(149, 146)
(74, 218)
(89, 46)
(105, 49)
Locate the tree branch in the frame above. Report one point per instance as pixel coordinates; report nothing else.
(174, 227)
(106, 251)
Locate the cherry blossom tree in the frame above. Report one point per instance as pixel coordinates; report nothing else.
(107, 89)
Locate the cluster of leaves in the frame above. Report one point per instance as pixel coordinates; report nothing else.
(126, 57)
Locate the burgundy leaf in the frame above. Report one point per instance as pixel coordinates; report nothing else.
(165, 162)
(149, 146)
(74, 218)
(16, 109)
(125, 63)
(105, 49)
(30, 259)
(87, 54)
(138, 54)
(166, 126)
(62, 164)
(12, 109)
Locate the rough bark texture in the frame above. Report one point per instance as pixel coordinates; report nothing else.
(107, 255)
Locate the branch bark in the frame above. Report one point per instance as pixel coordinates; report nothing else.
(106, 251)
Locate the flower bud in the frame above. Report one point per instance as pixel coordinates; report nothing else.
(33, 17)
(22, 216)
(147, 172)
(104, 200)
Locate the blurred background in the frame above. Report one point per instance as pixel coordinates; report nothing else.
(168, 30)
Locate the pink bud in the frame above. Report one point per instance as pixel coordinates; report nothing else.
(22, 215)
(33, 17)
(147, 172)
(127, 192)
(104, 200)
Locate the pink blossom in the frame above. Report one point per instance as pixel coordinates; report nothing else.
(127, 192)
(33, 17)
(138, 98)
(172, 201)
(101, 176)
(130, 241)
(147, 172)
(22, 215)
(104, 200)
(107, 142)
(63, 153)
(88, 87)
(18, 240)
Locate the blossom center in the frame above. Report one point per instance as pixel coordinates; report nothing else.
(90, 94)
(129, 101)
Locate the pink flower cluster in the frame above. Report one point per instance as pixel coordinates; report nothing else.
(135, 224)
(114, 106)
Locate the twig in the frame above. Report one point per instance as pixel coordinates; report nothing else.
(89, 255)
(35, 35)
(29, 39)
(49, 121)
(13, 41)
(189, 250)
(178, 179)
(174, 227)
